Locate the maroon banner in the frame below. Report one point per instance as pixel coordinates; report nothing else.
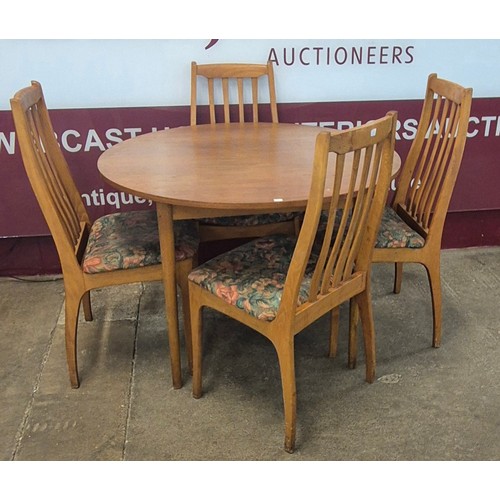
(84, 134)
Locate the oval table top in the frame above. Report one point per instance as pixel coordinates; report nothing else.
(224, 166)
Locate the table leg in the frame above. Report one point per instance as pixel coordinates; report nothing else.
(167, 247)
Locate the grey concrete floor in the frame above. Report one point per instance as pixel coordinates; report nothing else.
(426, 405)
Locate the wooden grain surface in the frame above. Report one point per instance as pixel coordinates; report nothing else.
(260, 166)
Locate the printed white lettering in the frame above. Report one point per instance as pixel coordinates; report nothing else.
(8, 145)
(132, 131)
(73, 141)
(65, 144)
(410, 127)
(113, 135)
(393, 184)
(98, 198)
(406, 130)
(344, 125)
(487, 120)
(93, 141)
(473, 119)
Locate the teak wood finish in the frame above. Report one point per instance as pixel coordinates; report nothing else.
(69, 224)
(342, 271)
(220, 76)
(189, 173)
(425, 187)
(236, 107)
(191, 169)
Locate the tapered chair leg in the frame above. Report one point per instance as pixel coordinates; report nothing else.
(334, 332)
(366, 315)
(398, 276)
(352, 349)
(183, 269)
(434, 275)
(87, 306)
(72, 306)
(286, 359)
(196, 333)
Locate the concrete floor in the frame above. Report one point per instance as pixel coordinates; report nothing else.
(426, 404)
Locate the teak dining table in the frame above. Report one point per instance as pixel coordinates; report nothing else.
(211, 171)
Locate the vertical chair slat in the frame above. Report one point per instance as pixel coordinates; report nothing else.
(330, 226)
(194, 95)
(448, 139)
(58, 196)
(350, 215)
(211, 100)
(341, 242)
(49, 175)
(241, 101)
(363, 200)
(68, 212)
(338, 245)
(225, 100)
(272, 92)
(425, 159)
(243, 76)
(330, 251)
(433, 163)
(255, 100)
(336, 263)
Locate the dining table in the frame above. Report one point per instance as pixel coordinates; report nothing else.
(215, 170)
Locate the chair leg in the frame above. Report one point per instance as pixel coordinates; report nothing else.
(286, 361)
(366, 314)
(87, 306)
(434, 275)
(334, 332)
(183, 268)
(398, 276)
(71, 309)
(196, 334)
(296, 224)
(352, 350)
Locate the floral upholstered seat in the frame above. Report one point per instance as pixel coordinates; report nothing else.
(395, 233)
(249, 220)
(129, 240)
(251, 277)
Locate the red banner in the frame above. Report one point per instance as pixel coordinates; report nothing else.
(84, 134)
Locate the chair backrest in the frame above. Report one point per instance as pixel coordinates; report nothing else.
(220, 81)
(428, 176)
(344, 249)
(49, 174)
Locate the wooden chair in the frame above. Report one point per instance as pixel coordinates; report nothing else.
(221, 79)
(115, 249)
(280, 284)
(411, 228)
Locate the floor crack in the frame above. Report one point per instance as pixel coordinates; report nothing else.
(27, 412)
(132, 375)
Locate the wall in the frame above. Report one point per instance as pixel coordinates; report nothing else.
(101, 92)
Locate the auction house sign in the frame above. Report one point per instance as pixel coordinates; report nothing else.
(102, 92)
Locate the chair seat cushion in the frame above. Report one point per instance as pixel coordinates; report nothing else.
(249, 220)
(130, 239)
(395, 233)
(251, 277)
